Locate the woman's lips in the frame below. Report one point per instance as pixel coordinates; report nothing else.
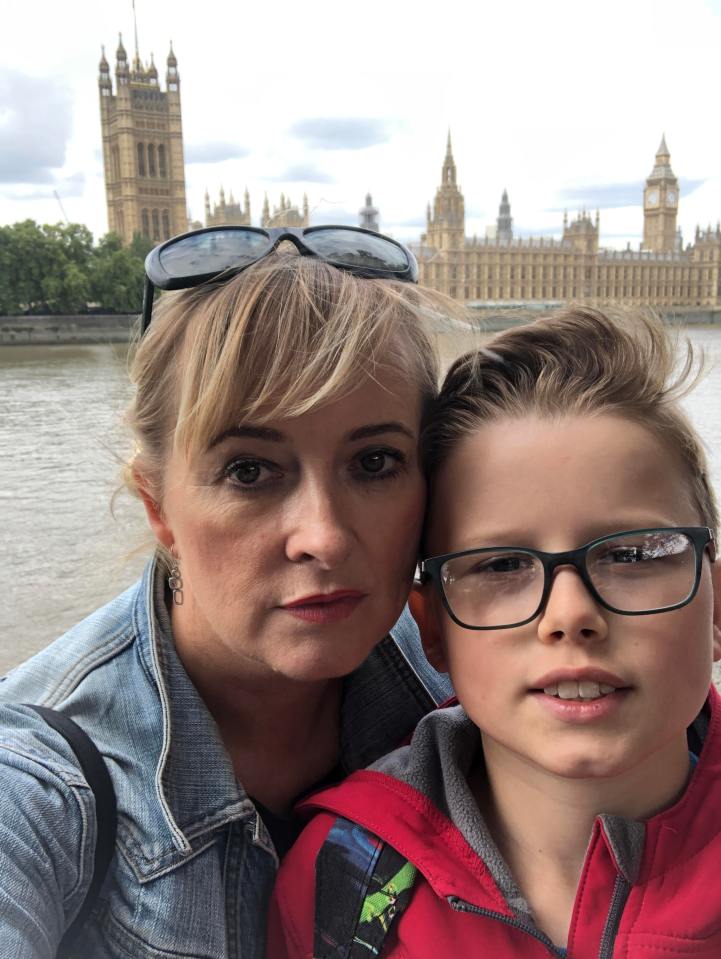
(325, 607)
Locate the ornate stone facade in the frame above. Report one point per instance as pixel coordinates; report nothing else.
(142, 148)
(286, 214)
(504, 267)
(227, 213)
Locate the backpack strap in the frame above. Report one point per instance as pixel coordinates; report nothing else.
(106, 815)
(361, 885)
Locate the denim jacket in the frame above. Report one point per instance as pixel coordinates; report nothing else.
(194, 864)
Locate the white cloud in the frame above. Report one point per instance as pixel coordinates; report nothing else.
(566, 98)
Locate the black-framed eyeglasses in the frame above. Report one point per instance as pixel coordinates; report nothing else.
(194, 258)
(634, 572)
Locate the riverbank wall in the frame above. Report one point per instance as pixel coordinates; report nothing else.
(502, 316)
(118, 327)
(80, 329)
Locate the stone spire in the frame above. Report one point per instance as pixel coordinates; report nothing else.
(504, 222)
(446, 227)
(449, 165)
(172, 77)
(368, 215)
(121, 63)
(104, 81)
(662, 167)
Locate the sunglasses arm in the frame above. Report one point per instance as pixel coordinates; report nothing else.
(148, 295)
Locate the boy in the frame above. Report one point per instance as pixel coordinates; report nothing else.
(570, 804)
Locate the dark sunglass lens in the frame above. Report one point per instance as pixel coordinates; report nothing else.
(205, 253)
(354, 249)
(640, 572)
(493, 588)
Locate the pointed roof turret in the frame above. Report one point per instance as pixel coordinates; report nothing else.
(449, 165)
(662, 167)
(104, 83)
(369, 215)
(120, 53)
(152, 71)
(172, 59)
(504, 222)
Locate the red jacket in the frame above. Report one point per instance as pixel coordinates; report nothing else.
(647, 890)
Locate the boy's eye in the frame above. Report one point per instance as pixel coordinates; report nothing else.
(627, 554)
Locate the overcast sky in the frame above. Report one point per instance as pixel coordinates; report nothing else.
(562, 102)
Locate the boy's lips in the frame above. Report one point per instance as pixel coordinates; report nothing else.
(583, 674)
(580, 695)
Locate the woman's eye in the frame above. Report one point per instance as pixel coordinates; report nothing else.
(377, 464)
(249, 473)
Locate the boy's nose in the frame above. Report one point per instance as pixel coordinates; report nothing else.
(571, 612)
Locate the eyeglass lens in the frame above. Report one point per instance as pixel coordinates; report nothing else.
(350, 248)
(212, 252)
(634, 573)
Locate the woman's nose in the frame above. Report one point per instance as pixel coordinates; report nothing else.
(319, 528)
(571, 612)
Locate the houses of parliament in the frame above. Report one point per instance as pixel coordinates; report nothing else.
(145, 189)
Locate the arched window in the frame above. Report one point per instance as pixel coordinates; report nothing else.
(151, 160)
(156, 225)
(166, 224)
(146, 224)
(115, 163)
(141, 159)
(162, 165)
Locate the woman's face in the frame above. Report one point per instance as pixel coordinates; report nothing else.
(297, 539)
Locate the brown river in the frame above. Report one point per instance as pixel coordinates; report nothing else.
(62, 440)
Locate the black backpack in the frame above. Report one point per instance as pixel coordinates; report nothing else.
(361, 886)
(98, 778)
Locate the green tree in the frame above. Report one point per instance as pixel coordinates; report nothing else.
(56, 268)
(117, 275)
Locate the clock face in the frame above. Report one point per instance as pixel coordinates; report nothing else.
(671, 197)
(652, 197)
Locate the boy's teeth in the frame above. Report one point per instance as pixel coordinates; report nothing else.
(583, 689)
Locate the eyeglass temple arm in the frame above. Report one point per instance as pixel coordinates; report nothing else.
(711, 546)
(148, 295)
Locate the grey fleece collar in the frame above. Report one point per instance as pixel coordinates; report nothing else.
(445, 747)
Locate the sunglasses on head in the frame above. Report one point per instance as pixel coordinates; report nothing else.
(194, 258)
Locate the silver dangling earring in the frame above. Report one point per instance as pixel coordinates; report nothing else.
(175, 580)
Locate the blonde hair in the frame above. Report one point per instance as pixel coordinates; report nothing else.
(277, 340)
(577, 361)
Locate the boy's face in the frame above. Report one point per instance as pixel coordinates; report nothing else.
(553, 486)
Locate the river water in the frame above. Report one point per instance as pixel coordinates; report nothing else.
(62, 440)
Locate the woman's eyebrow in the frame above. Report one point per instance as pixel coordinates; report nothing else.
(249, 432)
(374, 429)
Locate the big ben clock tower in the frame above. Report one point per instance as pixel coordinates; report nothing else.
(660, 204)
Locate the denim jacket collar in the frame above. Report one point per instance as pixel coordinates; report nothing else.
(382, 702)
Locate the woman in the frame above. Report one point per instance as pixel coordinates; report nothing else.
(277, 411)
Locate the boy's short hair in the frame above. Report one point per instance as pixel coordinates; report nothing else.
(578, 361)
